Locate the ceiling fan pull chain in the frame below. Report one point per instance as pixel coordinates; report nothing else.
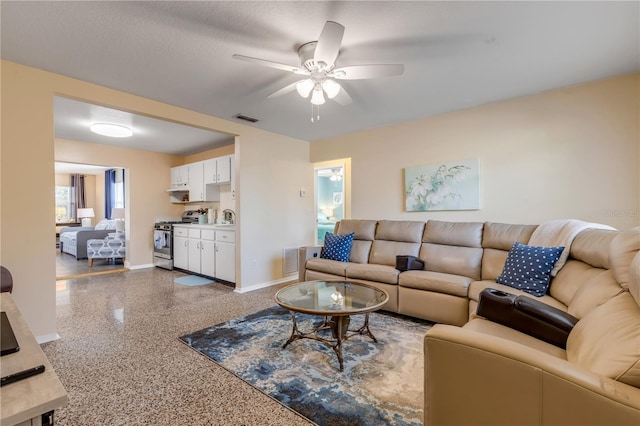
(312, 113)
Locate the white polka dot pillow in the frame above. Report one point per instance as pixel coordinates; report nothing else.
(528, 268)
(337, 247)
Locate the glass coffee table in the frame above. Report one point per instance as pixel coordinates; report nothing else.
(336, 301)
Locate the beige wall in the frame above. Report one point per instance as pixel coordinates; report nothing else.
(28, 144)
(569, 153)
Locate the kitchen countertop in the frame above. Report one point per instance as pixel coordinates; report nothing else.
(217, 227)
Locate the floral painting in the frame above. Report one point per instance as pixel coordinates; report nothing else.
(443, 186)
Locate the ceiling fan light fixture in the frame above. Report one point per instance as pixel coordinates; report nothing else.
(317, 98)
(331, 88)
(111, 130)
(304, 87)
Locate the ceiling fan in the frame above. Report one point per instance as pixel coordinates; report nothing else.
(317, 60)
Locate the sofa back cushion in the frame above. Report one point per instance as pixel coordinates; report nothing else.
(588, 259)
(395, 238)
(497, 240)
(606, 340)
(453, 248)
(621, 253)
(464, 234)
(364, 231)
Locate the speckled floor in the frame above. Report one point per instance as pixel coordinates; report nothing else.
(121, 362)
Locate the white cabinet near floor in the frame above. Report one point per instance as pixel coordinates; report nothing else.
(180, 248)
(201, 252)
(226, 256)
(206, 250)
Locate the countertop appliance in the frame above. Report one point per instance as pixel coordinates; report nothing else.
(163, 238)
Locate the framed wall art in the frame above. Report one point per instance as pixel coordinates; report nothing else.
(452, 185)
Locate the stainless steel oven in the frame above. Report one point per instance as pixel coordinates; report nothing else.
(163, 245)
(163, 238)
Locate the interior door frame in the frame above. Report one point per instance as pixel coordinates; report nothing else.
(345, 163)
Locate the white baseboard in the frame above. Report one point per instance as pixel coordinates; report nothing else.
(134, 267)
(286, 279)
(47, 338)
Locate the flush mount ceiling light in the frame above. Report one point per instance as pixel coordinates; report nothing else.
(111, 130)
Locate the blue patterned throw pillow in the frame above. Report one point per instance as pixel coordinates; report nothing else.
(337, 247)
(528, 268)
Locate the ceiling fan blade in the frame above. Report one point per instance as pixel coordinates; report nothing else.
(286, 89)
(360, 72)
(343, 97)
(329, 43)
(271, 64)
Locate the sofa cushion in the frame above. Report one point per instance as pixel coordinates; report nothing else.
(528, 268)
(501, 236)
(493, 263)
(363, 229)
(456, 285)
(360, 250)
(592, 246)
(337, 247)
(464, 234)
(606, 340)
(400, 230)
(597, 289)
(106, 224)
(327, 266)
(385, 252)
(372, 272)
(454, 260)
(621, 252)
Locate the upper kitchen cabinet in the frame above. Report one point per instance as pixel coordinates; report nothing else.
(198, 189)
(180, 176)
(218, 170)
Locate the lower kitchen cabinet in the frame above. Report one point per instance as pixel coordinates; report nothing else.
(180, 248)
(205, 251)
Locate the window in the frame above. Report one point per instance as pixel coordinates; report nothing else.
(64, 212)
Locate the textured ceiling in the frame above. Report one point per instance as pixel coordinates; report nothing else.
(456, 54)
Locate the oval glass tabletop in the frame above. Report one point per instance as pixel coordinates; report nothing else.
(331, 297)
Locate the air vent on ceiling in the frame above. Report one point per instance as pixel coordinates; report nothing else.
(246, 118)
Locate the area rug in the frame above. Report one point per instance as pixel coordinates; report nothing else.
(193, 280)
(382, 383)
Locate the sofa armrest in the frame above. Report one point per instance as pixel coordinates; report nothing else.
(307, 252)
(84, 236)
(76, 228)
(474, 378)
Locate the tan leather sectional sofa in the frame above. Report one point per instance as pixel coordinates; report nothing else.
(480, 372)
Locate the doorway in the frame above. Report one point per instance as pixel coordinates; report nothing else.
(331, 196)
(94, 199)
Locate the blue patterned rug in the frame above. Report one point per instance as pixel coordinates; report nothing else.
(382, 383)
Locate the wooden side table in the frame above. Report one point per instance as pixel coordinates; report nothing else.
(28, 401)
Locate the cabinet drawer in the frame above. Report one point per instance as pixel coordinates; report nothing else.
(226, 236)
(194, 233)
(180, 232)
(208, 234)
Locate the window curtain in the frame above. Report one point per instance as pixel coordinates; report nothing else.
(109, 192)
(77, 194)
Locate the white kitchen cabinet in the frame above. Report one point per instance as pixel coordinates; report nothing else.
(226, 256)
(218, 170)
(180, 248)
(208, 253)
(198, 191)
(180, 176)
